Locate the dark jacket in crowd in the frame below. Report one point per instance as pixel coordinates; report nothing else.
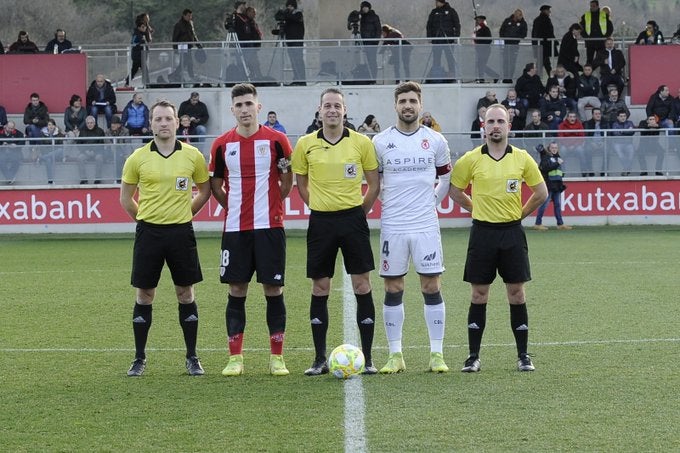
(530, 88)
(590, 124)
(543, 30)
(569, 54)
(513, 29)
(659, 107)
(95, 136)
(294, 27)
(184, 32)
(93, 94)
(198, 111)
(61, 46)
(370, 28)
(39, 112)
(587, 86)
(569, 82)
(443, 22)
(23, 47)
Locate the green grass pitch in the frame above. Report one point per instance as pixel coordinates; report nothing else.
(605, 339)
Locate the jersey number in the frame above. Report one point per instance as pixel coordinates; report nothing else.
(225, 258)
(386, 248)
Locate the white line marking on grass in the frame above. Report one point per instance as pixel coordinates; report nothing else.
(487, 345)
(355, 410)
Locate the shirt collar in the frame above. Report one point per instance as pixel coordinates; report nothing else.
(178, 146)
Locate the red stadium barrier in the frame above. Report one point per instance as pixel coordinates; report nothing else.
(652, 66)
(79, 206)
(54, 77)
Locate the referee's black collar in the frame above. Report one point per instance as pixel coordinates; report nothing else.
(345, 133)
(485, 149)
(178, 146)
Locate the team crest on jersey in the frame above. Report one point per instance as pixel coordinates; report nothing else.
(512, 185)
(385, 265)
(425, 144)
(350, 170)
(182, 183)
(262, 150)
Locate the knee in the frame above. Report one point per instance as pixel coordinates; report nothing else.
(362, 286)
(185, 294)
(201, 130)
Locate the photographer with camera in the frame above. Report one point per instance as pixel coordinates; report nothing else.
(236, 21)
(291, 26)
(366, 23)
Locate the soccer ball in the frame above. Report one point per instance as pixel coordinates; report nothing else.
(345, 361)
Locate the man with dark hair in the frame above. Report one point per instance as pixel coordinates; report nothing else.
(611, 62)
(330, 165)
(569, 54)
(409, 224)
(595, 127)
(163, 172)
(497, 243)
(529, 87)
(543, 29)
(443, 24)
(35, 116)
(183, 34)
(587, 91)
(371, 31)
(23, 44)
(273, 122)
(660, 103)
(198, 113)
(250, 177)
(595, 24)
(294, 29)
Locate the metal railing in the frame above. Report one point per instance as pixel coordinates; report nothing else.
(70, 161)
(343, 61)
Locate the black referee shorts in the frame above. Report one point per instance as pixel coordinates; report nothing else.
(346, 230)
(497, 247)
(159, 244)
(244, 252)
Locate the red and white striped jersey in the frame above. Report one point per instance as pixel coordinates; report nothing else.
(249, 167)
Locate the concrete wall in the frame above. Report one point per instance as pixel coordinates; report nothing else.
(452, 105)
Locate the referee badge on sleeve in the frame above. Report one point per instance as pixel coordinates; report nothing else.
(512, 185)
(350, 171)
(182, 183)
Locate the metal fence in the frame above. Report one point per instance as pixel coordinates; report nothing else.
(344, 61)
(69, 161)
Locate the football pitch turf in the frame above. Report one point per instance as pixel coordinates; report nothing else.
(604, 336)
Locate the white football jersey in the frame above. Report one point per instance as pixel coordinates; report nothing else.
(407, 164)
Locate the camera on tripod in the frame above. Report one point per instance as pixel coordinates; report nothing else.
(280, 18)
(230, 23)
(353, 21)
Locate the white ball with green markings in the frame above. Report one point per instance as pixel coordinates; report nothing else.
(346, 361)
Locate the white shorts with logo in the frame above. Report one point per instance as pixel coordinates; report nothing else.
(424, 247)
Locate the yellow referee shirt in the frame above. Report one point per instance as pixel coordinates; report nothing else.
(165, 183)
(496, 184)
(335, 172)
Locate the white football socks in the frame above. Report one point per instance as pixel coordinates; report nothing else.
(393, 316)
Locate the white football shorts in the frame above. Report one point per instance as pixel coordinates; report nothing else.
(424, 247)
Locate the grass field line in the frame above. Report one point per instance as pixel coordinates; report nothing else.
(355, 407)
(306, 349)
